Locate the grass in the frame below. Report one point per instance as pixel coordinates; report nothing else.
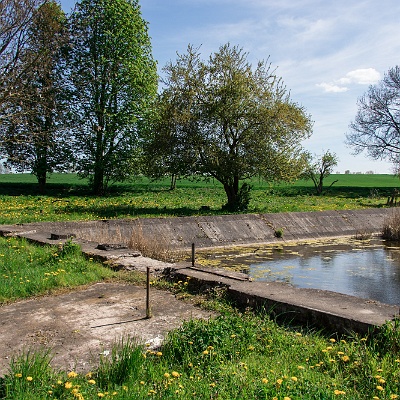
(68, 199)
(28, 270)
(238, 355)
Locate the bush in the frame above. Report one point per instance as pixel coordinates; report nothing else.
(391, 227)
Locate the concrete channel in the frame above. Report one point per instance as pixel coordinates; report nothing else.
(107, 240)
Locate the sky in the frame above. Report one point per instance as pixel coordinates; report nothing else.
(328, 52)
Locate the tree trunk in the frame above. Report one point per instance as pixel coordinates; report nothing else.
(232, 190)
(98, 174)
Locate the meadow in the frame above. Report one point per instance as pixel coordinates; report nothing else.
(241, 354)
(68, 198)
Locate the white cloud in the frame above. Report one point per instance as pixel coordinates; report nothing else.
(362, 76)
(365, 76)
(332, 88)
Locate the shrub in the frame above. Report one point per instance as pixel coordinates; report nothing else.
(391, 227)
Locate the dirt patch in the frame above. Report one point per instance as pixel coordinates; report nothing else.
(81, 325)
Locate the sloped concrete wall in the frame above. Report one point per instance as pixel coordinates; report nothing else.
(224, 230)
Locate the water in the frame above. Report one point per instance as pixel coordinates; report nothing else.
(369, 270)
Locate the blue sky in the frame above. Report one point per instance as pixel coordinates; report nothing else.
(327, 52)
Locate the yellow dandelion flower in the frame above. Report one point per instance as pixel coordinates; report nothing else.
(159, 354)
(294, 378)
(18, 375)
(205, 352)
(379, 387)
(91, 381)
(213, 384)
(29, 378)
(332, 340)
(279, 381)
(176, 374)
(233, 336)
(394, 396)
(287, 398)
(300, 367)
(100, 394)
(339, 392)
(141, 382)
(345, 358)
(167, 375)
(264, 380)
(68, 385)
(72, 374)
(381, 381)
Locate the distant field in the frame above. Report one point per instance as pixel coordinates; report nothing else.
(68, 198)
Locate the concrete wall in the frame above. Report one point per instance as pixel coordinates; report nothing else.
(224, 230)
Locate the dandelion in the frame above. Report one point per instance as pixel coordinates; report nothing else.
(264, 380)
(159, 354)
(213, 384)
(394, 396)
(29, 378)
(100, 394)
(205, 352)
(379, 387)
(294, 378)
(279, 381)
(345, 358)
(300, 367)
(176, 374)
(141, 382)
(339, 392)
(68, 385)
(381, 381)
(287, 398)
(91, 381)
(18, 375)
(167, 375)
(332, 340)
(72, 374)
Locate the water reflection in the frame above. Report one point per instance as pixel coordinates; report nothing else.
(369, 270)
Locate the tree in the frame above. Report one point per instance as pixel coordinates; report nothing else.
(319, 168)
(34, 138)
(113, 79)
(15, 19)
(376, 127)
(230, 121)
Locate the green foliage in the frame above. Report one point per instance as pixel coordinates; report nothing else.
(319, 168)
(114, 80)
(30, 134)
(225, 119)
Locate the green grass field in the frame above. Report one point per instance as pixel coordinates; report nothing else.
(68, 197)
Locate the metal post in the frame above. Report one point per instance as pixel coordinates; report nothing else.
(193, 254)
(148, 308)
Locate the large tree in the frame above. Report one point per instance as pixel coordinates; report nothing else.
(113, 79)
(34, 137)
(230, 121)
(15, 19)
(376, 127)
